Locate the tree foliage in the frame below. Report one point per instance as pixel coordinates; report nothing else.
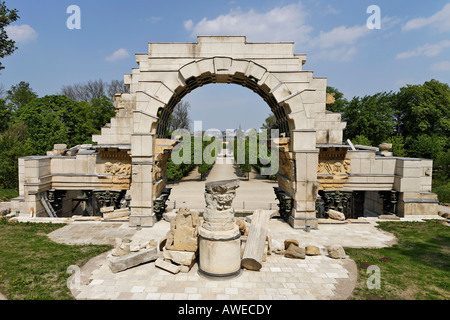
(7, 46)
(32, 125)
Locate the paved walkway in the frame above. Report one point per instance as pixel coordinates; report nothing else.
(316, 277)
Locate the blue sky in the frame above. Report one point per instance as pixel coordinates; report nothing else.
(412, 46)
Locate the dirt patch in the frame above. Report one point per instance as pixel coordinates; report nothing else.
(2, 297)
(385, 259)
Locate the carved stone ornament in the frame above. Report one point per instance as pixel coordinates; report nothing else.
(219, 214)
(117, 168)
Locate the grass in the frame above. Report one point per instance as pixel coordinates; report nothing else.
(417, 268)
(442, 189)
(8, 194)
(32, 267)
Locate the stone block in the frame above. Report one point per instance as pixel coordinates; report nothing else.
(336, 252)
(185, 258)
(170, 267)
(133, 259)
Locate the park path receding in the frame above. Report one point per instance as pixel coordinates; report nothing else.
(252, 194)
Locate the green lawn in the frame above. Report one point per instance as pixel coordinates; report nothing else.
(32, 267)
(417, 268)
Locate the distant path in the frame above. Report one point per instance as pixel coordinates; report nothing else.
(252, 194)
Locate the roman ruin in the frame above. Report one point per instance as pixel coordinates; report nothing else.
(126, 167)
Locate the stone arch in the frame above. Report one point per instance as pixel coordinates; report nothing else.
(236, 71)
(169, 71)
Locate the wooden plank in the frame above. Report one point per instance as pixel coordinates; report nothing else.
(256, 240)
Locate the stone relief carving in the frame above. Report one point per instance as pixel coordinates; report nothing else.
(334, 167)
(117, 168)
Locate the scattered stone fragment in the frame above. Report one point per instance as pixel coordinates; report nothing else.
(336, 215)
(160, 263)
(312, 251)
(288, 242)
(277, 247)
(144, 245)
(336, 252)
(122, 248)
(295, 252)
(241, 224)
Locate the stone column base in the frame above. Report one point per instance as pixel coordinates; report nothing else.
(142, 221)
(299, 220)
(219, 252)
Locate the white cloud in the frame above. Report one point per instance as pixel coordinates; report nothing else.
(429, 50)
(286, 23)
(341, 35)
(21, 33)
(440, 20)
(440, 66)
(283, 23)
(118, 55)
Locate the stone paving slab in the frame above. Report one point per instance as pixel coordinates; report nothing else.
(280, 278)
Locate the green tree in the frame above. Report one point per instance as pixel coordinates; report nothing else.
(5, 115)
(398, 145)
(7, 46)
(58, 119)
(20, 95)
(12, 146)
(371, 117)
(424, 109)
(427, 146)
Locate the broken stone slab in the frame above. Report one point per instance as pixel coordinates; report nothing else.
(336, 251)
(170, 267)
(119, 213)
(185, 258)
(336, 215)
(133, 259)
(107, 209)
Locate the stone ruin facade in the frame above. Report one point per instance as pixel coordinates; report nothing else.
(318, 170)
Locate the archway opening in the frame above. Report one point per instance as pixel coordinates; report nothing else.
(227, 108)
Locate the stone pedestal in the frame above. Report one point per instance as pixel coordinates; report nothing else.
(219, 236)
(220, 252)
